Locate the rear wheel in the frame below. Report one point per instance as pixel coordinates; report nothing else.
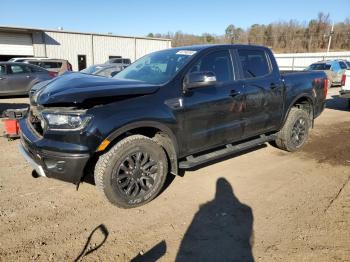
(132, 172)
(295, 131)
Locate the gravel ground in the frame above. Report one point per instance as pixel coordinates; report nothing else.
(265, 205)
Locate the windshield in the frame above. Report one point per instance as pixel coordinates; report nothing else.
(320, 67)
(158, 67)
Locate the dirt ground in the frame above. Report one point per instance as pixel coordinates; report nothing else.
(265, 205)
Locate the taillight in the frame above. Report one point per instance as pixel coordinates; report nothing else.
(325, 87)
(343, 79)
(53, 74)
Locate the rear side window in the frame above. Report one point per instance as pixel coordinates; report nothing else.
(320, 67)
(217, 62)
(254, 63)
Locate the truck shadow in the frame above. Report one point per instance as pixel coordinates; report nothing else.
(221, 230)
(338, 103)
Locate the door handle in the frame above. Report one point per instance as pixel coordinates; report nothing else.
(2, 78)
(234, 93)
(27, 76)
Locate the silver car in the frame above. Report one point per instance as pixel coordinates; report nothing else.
(18, 78)
(333, 68)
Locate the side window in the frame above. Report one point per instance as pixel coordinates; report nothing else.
(217, 62)
(2, 70)
(18, 69)
(254, 63)
(50, 64)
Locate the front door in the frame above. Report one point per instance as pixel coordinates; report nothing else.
(212, 113)
(17, 79)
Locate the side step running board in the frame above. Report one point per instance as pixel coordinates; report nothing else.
(192, 161)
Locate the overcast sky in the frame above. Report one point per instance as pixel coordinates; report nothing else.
(131, 17)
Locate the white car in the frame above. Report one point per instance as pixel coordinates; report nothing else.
(345, 89)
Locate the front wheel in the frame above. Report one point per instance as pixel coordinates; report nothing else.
(132, 172)
(295, 131)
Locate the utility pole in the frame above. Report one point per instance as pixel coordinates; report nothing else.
(330, 38)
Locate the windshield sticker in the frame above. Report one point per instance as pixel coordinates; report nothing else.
(186, 52)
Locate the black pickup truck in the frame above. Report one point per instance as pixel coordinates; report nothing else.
(172, 109)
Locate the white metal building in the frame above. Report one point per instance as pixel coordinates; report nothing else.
(76, 47)
(299, 61)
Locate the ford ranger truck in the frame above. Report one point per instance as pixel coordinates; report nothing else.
(173, 109)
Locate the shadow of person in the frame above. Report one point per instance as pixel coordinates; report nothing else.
(220, 231)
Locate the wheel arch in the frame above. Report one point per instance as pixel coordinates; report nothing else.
(299, 101)
(161, 133)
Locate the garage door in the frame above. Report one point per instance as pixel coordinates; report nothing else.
(16, 44)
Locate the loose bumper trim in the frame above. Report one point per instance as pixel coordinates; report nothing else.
(38, 168)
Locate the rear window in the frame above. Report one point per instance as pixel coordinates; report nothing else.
(50, 65)
(254, 63)
(36, 69)
(320, 67)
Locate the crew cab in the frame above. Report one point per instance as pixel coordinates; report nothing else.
(173, 109)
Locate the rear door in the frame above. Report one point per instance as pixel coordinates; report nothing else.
(212, 113)
(263, 90)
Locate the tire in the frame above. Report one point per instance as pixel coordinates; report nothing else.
(295, 131)
(132, 172)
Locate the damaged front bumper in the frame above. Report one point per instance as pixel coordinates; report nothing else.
(63, 165)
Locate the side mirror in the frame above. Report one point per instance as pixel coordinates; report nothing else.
(199, 79)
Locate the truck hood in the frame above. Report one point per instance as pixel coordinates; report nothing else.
(78, 89)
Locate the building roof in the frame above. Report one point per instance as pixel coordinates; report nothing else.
(19, 29)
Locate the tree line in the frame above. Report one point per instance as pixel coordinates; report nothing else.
(292, 36)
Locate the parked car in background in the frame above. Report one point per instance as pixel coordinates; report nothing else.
(54, 65)
(107, 70)
(18, 78)
(333, 68)
(120, 61)
(345, 89)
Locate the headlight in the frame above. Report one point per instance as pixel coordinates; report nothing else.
(66, 121)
